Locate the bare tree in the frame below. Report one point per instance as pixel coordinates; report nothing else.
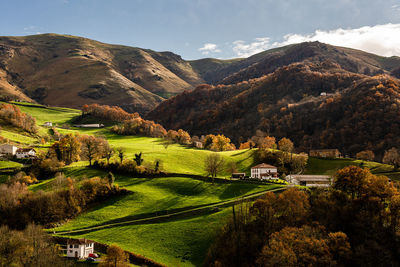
(214, 164)
(108, 152)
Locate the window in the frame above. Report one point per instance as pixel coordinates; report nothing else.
(70, 250)
(70, 246)
(76, 246)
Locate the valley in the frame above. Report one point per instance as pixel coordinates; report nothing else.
(161, 218)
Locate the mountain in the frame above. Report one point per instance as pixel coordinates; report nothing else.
(234, 71)
(316, 104)
(71, 71)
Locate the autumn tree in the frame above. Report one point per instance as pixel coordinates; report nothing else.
(221, 143)
(68, 148)
(351, 180)
(366, 155)
(286, 145)
(116, 257)
(214, 164)
(267, 142)
(92, 147)
(305, 246)
(183, 137)
(30, 247)
(247, 145)
(392, 157)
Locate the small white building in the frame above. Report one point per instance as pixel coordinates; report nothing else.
(264, 172)
(310, 180)
(23, 153)
(79, 248)
(48, 124)
(94, 125)
(8, 149)
(198, 144)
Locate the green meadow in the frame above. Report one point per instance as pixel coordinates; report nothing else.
(197, 205)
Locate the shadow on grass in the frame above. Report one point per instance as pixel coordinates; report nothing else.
(236, 190)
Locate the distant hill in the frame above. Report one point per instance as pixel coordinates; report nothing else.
(71, 71)
(227, 72)
(354, 112)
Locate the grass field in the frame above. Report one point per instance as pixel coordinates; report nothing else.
(150, 196)
(9, 164)
(56, 115)
(176, 241)
(330, 166)
(180, 242)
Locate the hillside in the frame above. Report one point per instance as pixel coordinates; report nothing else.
(233, 71)
(71, 71)
(288, 102)
(154, 219)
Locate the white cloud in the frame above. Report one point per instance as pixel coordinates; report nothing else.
(209, 48)
(241, 49)
(382, 40)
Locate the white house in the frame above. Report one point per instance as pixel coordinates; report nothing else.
(310, 180)
(264, 171)
(48, 124)
(23, 153)
(79, 248)
(94, 125)
(8, 149)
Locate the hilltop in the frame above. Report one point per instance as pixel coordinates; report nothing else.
(215, 71)
(72, 71)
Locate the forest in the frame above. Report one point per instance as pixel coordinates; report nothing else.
(315, 105)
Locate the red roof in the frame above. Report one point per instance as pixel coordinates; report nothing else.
(263, 166)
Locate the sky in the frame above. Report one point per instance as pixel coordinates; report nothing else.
(212, 28)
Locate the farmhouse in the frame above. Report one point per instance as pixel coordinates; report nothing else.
(8, 149)
(310, 180)
(264, 171)
(48, 124)
(79, 248)
(23, 153)
(325, 153)
(94, 125)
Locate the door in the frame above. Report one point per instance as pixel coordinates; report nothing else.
(76, 254)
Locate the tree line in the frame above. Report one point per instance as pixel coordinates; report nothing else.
(20, 206)
(133, 124)
(13, 115)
